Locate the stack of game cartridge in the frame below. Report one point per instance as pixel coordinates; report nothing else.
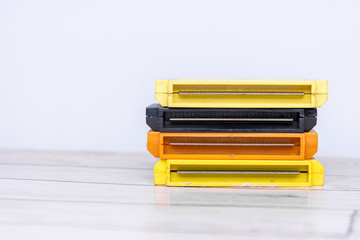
(236, 133)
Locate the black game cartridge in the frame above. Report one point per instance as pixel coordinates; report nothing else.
(292, 120)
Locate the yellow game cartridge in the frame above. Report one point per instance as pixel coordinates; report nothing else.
(241, 93)
(235, 146)
(239, 173)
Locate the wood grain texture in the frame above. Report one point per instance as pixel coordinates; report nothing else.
(89, 195)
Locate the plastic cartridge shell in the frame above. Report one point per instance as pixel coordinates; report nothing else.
(233, 146)
(239, 173)
(194, 93)
(282, 120)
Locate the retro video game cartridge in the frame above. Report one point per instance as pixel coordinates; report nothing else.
(194, 93)
(239, 173)
(290, 120)
(235, 146)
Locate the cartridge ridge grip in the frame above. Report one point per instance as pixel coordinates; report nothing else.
(153, 116)
(153, 143)
(310, 119)
(160, 176)
(161, 92)
(317, 178)
(311, 141)
(322, 92)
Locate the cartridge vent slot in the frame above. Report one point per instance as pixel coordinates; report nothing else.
(232, 145)
(239, 173)
(232, 120)
(255, 94)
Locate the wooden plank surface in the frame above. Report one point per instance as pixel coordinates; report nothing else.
(81, 195)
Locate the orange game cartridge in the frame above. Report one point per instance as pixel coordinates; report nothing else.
(233, 146)
(239, 173)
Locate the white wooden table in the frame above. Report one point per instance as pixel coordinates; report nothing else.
(90, 195)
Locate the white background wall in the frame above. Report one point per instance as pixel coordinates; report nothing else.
(78, 74)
